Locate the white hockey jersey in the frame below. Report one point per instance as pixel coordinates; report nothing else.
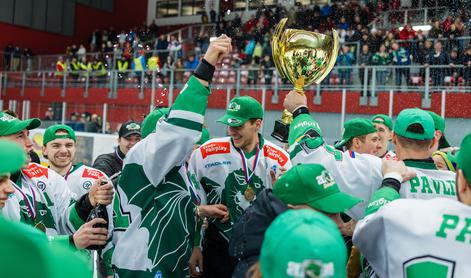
(417, 238)
(42, 198)
(222, 171)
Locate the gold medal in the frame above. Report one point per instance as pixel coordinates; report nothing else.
(249, 194)
(40, 226)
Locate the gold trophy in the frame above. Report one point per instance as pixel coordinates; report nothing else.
(303, 58)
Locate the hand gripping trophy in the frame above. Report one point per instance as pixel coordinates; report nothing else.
(303, 58)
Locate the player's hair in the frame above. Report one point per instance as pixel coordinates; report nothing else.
(350, 142)
(254, 271)
(416, 145)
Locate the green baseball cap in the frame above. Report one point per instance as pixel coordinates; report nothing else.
(26, 252)
(204, 136)
(14, 154)
(303, 243)
(312, 185)
(354, 128)
(240, 110)
(440, 125)
(11, 125)
(50, 133)
(382, 119)
(463, 158)
(150, 121)
(408, 117)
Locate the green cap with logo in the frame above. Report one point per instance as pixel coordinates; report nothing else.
(312, 185)
(440, 125)
(415, 116)
(50, 133)
(10, 125)
(382, 119)
(14, 154)
(463, 158)
(150, 121)
(240, 110)
(354, 128)
(303, 243)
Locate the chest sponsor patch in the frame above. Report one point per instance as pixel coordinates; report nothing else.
(92, 173)
(35, 171)
(275, 154)
(215, 148)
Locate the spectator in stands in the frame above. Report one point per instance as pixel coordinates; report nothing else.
(166, 69)
(467, 67)
(452, 34)
(254, 68)
(74, 68)
(139, 65)
(381, 58)
(436, 31)
(401, 57)
(128, 51)
(95, 40)
(257, 52)
(7, 56)
(94, 125)
(345, 60)
(16, 54)
(446, 25)
(122, 38)
(61, 67)
(81, 52)
(455, 71)
(49, 114)
(407, 33)
(28, 54)
(85, 67)
(390, 40)
(99, 69)
(212, 16)
(175, 47)
(267, 68)
(153, 65)
(364, 60)
(249, 49)
(191, 62)
(437, 58)
(179, 71)
(123, 66)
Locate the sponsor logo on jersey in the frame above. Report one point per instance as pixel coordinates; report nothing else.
(215, 148)
(86, 185)
(275, 154)
(307, 124)
(35, 171)
(158, 274)
(41, 185)
(217, 163)
(92, 173)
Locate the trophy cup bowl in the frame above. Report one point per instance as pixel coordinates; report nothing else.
(303, 58)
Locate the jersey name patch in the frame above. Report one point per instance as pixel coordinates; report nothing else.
(215, 148)
(275, 154)
(35, 171)
(91, 173)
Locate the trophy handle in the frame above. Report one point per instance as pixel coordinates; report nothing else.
(275, 44)
(335, 53)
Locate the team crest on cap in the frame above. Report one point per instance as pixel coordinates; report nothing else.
(325, 179)
(233, 106)
(133, 126)
(7, 118)
(310, 269)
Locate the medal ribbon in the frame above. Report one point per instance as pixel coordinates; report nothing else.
(31, 207)
(68, 172)
(245, 164)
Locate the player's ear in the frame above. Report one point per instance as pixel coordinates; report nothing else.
(393, 138)
(463, 186)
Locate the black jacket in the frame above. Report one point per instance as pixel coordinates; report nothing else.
(110, 163)
(248, 232)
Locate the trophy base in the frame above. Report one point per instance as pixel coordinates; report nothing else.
(280, 131)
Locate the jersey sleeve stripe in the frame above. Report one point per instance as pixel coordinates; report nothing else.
(185, 123)
(195, 117)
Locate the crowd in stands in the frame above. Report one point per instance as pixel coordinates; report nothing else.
(14, 57)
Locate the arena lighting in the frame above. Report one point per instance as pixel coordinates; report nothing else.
(419, 27)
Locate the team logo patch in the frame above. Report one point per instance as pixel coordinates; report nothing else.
(86, 185)
(7, 118)
(41, 185)
(233, 106)
(215, 148)
(275, 154)
(35, 171)
(325, 179)
(417, 267)
(92, 173)
(133, 126)
(310, 269)
(158, 274)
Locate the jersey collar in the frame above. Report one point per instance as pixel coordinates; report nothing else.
(427, 164)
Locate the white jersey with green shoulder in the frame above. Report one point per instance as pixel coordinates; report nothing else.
(417, 238)
(360, 174)
(156, 195)
(42, 199)
(226, 173)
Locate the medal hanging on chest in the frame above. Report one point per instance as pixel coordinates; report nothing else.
(31, 207)
(249, 193)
